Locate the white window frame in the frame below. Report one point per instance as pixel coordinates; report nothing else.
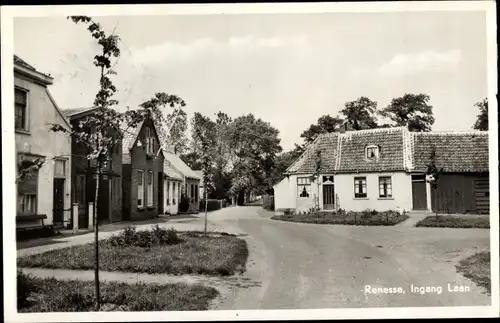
(385, 192)
(303, 183)
(174, 197)
(25, 126)
(375, 149)
(64, 167)
(150, 189)
(360, 183)
(140, 188)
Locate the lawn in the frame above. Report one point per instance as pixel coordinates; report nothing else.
(367, 217)
(51, 295)
(477, 268)
(453, 221)
(130, 251)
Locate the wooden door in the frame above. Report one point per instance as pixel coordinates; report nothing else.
(482, 194)
(103, 203)
(81, 199)
(58, 197)
(419, 192)
(328, 197)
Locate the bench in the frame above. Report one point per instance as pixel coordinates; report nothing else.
(28, 218)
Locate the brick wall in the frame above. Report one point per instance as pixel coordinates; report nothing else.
(140, 161)
(80, 165)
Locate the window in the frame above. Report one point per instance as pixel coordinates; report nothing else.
(150, 141)
(60, 168)
(28, 204)
(372, 152)
(359, 187)
(196, 193)
(27, 193)
(385, 186)
(192, 191)
(303, 186)
(167, 192)
(21, 101)
(173, 192)
(140, 188)
(150, 188)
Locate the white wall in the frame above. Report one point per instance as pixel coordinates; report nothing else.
(284, 198)
(173, 208)
(40, 140)
(401, 192)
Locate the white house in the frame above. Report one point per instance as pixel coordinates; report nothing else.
(189, 180)
(172, 188)
(384, 169)
(44, 196)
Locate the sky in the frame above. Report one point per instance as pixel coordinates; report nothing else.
(287, 69)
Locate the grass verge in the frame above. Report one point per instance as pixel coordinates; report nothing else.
(52, 295)
(477, 268)
(374, 218)
(451, 221)
(194, 253)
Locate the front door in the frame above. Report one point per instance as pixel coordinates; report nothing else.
(81, 199)
(58, 201)
(328, 197)
(160, 193)
(419, 192)
(103, 204)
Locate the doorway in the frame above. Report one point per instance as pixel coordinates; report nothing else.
(58, 212)
(419, 192)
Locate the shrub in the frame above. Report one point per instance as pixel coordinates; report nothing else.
(129, 237)
(212, 205)
(24, 288)
(184, 203)
(268, 202)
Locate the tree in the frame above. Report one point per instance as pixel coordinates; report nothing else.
(205, 133)
(482, 118)
(325, 124)
(281, 163)
(361, 113)
(192, 159)
(255, 144)
(411, 110)
(433, 173)
(170, 127)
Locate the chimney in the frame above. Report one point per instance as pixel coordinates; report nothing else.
(343, 127)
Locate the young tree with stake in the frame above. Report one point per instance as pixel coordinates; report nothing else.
(205, 133)
(433, 173)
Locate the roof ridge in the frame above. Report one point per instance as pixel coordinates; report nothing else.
(451, 133)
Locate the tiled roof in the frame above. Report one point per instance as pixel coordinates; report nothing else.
(399, 150)
(353, 144)
(19, 61)
(328, 145)
(170, 171)
(455, 152)
(129, 138)
(72, 112)
(180, 165)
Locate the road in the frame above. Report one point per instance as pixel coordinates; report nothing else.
(307, 266)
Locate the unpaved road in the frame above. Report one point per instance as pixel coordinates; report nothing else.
(306, 266)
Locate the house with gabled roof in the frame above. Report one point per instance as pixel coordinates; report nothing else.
(385, 169)
(43, 197)
(190, 180)
(84, 178)
(142, 172)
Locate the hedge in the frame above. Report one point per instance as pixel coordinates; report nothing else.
(212, 205)
(268, 202)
